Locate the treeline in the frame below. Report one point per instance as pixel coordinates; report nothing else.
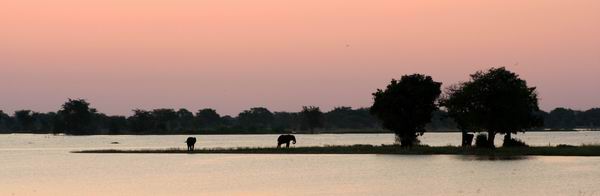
(77, 118)
(568, 119)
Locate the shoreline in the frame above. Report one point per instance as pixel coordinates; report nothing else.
(585, 150)
(325, 132)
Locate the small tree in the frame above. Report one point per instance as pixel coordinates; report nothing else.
(24, 120)
(311, 117)
(495, 101)
(117, 124)
(76, 116)
(406, 106)
(348, 118)
(141, 121)
(185, 120)
(561, 118)
(591, 118)
(208, 118)
(165, 119)
(256, 118)
(5, 122)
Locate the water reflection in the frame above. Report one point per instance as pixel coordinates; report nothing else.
(460, 157)
(492, 158)
(42, 165)
(60, 142)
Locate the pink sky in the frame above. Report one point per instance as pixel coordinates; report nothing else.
(235, 54)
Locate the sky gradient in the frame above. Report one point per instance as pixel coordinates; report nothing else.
(235, 54)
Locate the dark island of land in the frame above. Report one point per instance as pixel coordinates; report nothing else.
(561, 150)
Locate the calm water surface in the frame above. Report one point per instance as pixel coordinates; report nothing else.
(42, 165)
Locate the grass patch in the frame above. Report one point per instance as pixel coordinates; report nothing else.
(584, 150)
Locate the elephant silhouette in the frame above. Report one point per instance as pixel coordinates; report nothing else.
(190, 143)
(285, 139)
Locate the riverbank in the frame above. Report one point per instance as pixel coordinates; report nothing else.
(585, 150)
(335, 131)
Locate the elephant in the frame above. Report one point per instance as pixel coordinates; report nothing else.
(285, 139)
(190, 143)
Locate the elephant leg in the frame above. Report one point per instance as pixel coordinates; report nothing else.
(287, 145)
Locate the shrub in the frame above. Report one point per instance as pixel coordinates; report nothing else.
(398, 141)
(565, 146)
(511, 142)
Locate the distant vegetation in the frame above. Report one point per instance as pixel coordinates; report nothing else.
(208, 121)
(495, 101)
(77, 118)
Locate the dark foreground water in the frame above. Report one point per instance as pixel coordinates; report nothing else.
(42, 165)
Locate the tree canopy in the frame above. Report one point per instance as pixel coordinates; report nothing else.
(256, 118)
(76, 116)
(494, 101)
(208, 118)
(406, 106)
(561, 118)
(348, 118)
(311, 118)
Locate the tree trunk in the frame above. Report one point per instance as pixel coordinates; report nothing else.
(407, 140)
(507, 136)
(491, 137)
(464, 134)
(467, 139)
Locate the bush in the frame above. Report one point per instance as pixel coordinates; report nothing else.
(415, 142)
(565, 146)
(481, 141)
(510, 142)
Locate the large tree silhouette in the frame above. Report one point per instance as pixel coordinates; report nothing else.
(406, 106)
(494, 101)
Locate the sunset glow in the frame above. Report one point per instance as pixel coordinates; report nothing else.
(234, 54)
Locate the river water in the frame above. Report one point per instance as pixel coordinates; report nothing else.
(43, 165)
